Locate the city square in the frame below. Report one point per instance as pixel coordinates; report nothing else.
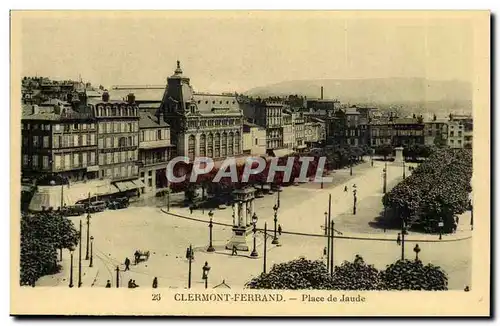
(167, 233)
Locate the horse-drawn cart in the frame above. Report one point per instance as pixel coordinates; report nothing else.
(140, 255)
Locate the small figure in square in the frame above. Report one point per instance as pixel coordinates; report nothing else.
(398, 240)
(127, 264)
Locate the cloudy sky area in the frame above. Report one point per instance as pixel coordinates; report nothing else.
(238, 51)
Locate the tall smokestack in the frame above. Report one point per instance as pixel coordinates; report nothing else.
(321, 92)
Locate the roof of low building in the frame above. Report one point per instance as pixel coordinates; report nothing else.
(54, 101)
(142, 94)
(216, 102)
(148, 120)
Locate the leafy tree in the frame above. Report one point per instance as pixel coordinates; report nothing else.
(41, 236)
(299, 274)
(413, 275)
(437, 190)
(355, 276)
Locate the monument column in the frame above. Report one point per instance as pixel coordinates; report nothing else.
(240, 214)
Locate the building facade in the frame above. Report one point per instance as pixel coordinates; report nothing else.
(155, 151)
(254, 139)
(118, 141)
(299, 129)
(456, 134)
(207, 125)
(435, 132)
(288, 131)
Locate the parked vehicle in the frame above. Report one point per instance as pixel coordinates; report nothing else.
(97, 206)
(119, 203)
(75, 210)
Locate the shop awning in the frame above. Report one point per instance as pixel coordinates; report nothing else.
(282, 152)
(139, 183)
(126, 185)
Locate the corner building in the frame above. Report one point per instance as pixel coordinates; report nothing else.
(202, 125)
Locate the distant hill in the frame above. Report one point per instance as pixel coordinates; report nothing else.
(420, 93)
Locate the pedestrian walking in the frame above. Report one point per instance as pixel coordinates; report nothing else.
(345, 189)
(279, 229)
(108, 284)
(456, 220)
(155, 282)
(234, 252)
(127, 264)
(188, 253)
(324, 251)
(191, 210)
(398, 240)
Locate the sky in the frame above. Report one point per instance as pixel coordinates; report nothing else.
(236, 51)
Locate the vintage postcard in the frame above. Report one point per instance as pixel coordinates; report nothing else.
(250, 163)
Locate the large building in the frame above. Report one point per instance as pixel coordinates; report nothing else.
(201, 124)
(118, 141)
(155, 151)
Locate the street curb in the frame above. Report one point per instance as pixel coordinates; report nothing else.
(342, 237)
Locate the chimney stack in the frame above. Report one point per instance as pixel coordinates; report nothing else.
(105, 96)
(321, 92)
(131, 98)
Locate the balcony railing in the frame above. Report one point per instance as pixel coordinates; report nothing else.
(154, 144)
(153, 161)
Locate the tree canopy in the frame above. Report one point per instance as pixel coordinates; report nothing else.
(41, 236)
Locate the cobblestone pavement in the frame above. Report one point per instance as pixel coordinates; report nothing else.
(119, 233)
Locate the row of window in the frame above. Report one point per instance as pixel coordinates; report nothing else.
(117, 157)
(393, 132)
(120, 172)
(34, 161)
(154, 135)
(116, 111)
(272, 144)
(149, 157)
(212, 123)
(118, 127)
(215, 145)
(74, 160)
(452, 133)
(118, 141)
(74, 140)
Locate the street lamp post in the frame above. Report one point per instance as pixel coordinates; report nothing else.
(265, 245)
(403, 231)
(275, 238)
(278, 201)
(254, 251)
(350, 166)
(91, 251)
(385, 177)
(71, 268)
(168, 199)
(471, 216)
(326, 223)
(80, 257)
(88, 236)
(190, 259)
(355, 199)
(210, 226)
(416, 250)
(440, 225)
(206, 269)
